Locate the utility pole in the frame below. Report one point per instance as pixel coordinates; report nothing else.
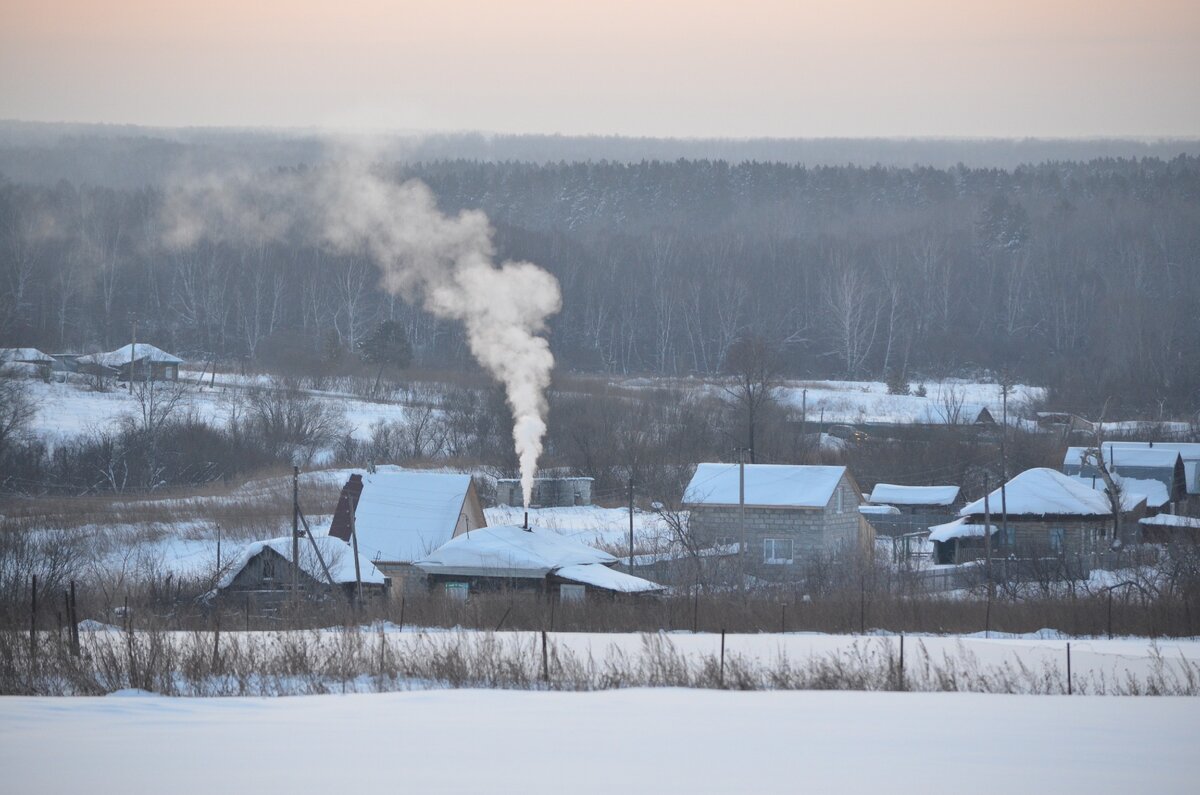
(745, 552)
(987, 532)
(1004, 458)
(132, 356)
(295, 534)
(354, 545)
(631, 523)
(804, 422)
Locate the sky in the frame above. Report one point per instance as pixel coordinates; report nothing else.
(739, 68)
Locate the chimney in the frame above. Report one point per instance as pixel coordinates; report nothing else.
(349, 498)
(526, 525)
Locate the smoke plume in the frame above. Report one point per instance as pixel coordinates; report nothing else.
(444, 263)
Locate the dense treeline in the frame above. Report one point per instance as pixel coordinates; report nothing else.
(1084, 276)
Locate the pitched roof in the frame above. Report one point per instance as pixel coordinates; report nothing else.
(1045, 492)
(767, 485)
(1117, 457)
(337, 555)
(122, 356)
(404, 514)
(508, 551)
(887, 493)
(24, 355)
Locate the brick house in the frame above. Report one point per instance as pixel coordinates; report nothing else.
(793, 514)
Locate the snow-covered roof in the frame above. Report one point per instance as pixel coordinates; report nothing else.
(24, 355)
(336, 552)
(878, 510)
(598, 575)
(959, 528)
(123, 355)
(405, 514)
(1171, 520)
(509, 551)
(767, 485)
(1134, 489)
(913, 495)
(1117, 457)
(1189, 451)
(1046, 492)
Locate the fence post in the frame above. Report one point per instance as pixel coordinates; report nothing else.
(33, 624)
(722, 679)
(1070, 688)
(545, 659)
(901, 681)
(73, 617)
(783, 618)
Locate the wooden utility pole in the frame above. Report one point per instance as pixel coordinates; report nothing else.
(744, 552)
(987, 532)
(631, 523)
(354, 549)
(132, 356)
(1004, 459)
(295, 534)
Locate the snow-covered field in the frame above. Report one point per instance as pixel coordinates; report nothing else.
(71, 408)
(655, 741)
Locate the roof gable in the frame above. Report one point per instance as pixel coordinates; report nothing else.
(405, 514)
(336, 553)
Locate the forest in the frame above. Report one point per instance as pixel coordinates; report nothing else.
(1083, 276)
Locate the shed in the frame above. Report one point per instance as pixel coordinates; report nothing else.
(1142, 463)
(139, 362)
(504, 556)
(402, 515)
(262, 571)
(1189, 452)
(29, 360)
(793, 514)
(1166, 528)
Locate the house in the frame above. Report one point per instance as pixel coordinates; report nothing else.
(262, 572)
(1136, 465)
(1189, 452)
(28, 361)
(1049, 515)
(402, 515)
(137, 362)
(547, 492)
(793, 514)
(539, 561)
(916, 507)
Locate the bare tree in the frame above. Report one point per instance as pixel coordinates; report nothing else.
(17, 410)
(755, 374)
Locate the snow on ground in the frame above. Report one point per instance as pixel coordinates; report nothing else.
(660, 741)
(869, 401)
(589, 524)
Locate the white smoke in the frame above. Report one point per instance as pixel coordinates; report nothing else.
(446, 264)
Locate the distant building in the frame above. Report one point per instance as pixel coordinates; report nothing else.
(140, 362)
(27, 361)
(547, 492)
(793, 514)
(402, 515)
(1189, 453)
(1049, 516)
(1140, 469)
(262, 572)
(1165, 528)
(507, 557)
(916, 508)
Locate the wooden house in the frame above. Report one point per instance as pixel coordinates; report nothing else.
(261, 575)
(1155, 471)
(140, 362)
(402, 515)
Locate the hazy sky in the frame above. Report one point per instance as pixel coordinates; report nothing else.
(652, 67)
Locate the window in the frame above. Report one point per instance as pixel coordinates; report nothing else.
(458, 591)
(839, 499)
(777, 550)
(1057, 536)
(725, 541)
(568, 592)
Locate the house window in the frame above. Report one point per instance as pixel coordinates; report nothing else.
(568, 592)
(1057, 537)
(839, 500)
(777, 551)
(268, 568)
(725, 541)
(458, 591)
(1010, 537)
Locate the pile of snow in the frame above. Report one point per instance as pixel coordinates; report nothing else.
(959, 528)
(766, 485)
(888, 493)
(600, 576)
(1046, 492)
(405, 514)
(336, 553)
